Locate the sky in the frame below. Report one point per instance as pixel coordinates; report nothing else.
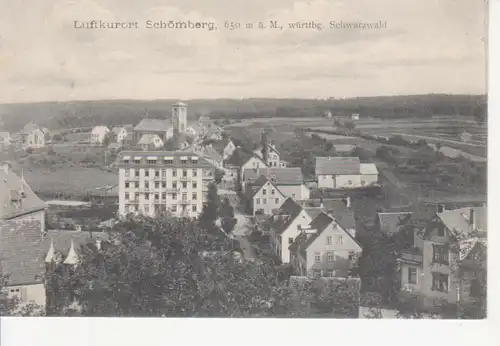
(428, 46)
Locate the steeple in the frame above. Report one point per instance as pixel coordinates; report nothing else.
(50, 254)
(72, 257)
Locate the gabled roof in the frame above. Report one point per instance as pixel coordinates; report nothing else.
(288, 211)
(211, 153)
(12, 203)
(68, 243)
(368, 168)
(253, 157)
(30, 127)
(116, 130)
(281, 176)
(148, 138)
(176, 141)
(255, 186)
(337, 165)
(335, 208)
(391, 223)
(457, 220)
(153, 125)
(22, 252)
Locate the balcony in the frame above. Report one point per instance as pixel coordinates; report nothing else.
(184, 178)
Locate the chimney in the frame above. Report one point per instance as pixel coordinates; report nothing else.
(472, 218)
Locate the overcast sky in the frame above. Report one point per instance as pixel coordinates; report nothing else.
(428, 46)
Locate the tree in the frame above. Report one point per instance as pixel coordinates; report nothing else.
(350, 125)
(210, 208)
(219, 173)
(13, 307)
(226, 213)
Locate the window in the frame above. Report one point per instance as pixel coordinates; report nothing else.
(184, 173)
(146, 196)
(174, 196)
(329, 240)
(184, 197)
(174, 208)
(163, 173)
(152, 162)
(195, 185)
(331, 257)
(340, 239)
(137, 174)
(194, 208)
(146, 208)
(277, 201)
(183, 162)
(157, 172)
(184, 185)
(264, 192)
(440, 254)
(412, 275)
(174, 185)
(290, 240)
(146, 173)
(157, 184)
(439, 282)
(195, 173)
(257, 201)
(137, 162)
(317, 257)
(146, 184)
(163, 195)
(174, 173)
(273, 191)
(440, 230)
(136, 196)
(164, 184)
(193, 196)
(127, 196)
(136, 184)
(127, 185)
(157, 196)
(169, 162)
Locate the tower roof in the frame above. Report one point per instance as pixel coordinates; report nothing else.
(179, 104)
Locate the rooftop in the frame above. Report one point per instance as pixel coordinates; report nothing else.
(148, 138)
(390, 223)
(281, 176)
(163, 159)
(153, 125)
(288, 211)
(337, 165)
(22, 252)
(29, 127)
(368, 168)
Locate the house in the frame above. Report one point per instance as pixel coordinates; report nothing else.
(115, 147)
(212, 156)
(325, 247)
(151, 127)
(150, 142)
(252, 162)
(446, 263)
(391, 223)
(285, 226)
(226, 147)
(21, 261)
(264, 197)
(119, 133)
(17, 201)
(344, 172)
(355, 116)
(230, 177)
(98, 135)
(5, 139)
(32, 136)
(180, 141)
(289, 180)
(271, 153)
(215, 135)
(344, 148)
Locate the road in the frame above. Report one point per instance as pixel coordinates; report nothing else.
(443, 140)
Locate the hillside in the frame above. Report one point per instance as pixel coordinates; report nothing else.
(56, 115)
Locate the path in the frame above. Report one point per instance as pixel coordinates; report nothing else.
(443, 140)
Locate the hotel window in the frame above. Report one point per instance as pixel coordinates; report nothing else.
(194, 208)
(264, 192)
(137, 161)
(146, 196)
(136, 196)
(439, 282)
(195, 185)
(157, 184)
(184, 173)
(174, 208)
(174, 185)
(164, 195)
(174, 196)
(195, 173)
(329, 241)
(146, 173)
(137, 173)
(412, 275)
(174, 173)
(440, 254)
(331, 257)
(127, 185)
(290, 240)
(157, 196)
(317, 257)
(146, 208)
(183, 162)
(157, 173)
(146, 184)
(169, 162)
(184, 197)
(184, 185)
(152, 162)
(193, 197)
(127, 196)
(136, 184)
(340, 240)
(164, 184)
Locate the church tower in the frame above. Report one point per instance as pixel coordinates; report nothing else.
(179, 117)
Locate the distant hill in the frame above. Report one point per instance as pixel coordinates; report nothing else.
(55, 115)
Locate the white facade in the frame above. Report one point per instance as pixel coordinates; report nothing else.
(179, 117)
(153, 187)
(26, 294)
(121, 135)
(98, 134)
(280, 243)
(252, 163)
(228, 150)
(34, 139)
(267, 199)
(273, 158)
(296, 192)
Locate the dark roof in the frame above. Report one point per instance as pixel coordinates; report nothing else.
(336, 208)
(11, 203)
(153, 125)
(211, 153)
(255, 186)
(391, 223)
(62, 239)
(281, 176)
(239, 157)
(22, 252)
(337, 165)
(288, 211)
(457, 220)
(176, 141)
(175, 155)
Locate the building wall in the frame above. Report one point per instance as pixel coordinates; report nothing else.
(326, 181)
(98, 134)
(252, 163)
(28, 293)
(302, 220)
(347, 181)
(34, 139)
(369, 179)
(267, 202)
(179, 116)
(405, 284)
(341, 251)
(36, 216)
(228, 150)
(172, 196)
(296, 192)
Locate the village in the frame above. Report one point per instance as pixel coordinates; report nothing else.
(321, 210)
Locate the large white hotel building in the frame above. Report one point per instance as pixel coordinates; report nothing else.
(155, 182)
